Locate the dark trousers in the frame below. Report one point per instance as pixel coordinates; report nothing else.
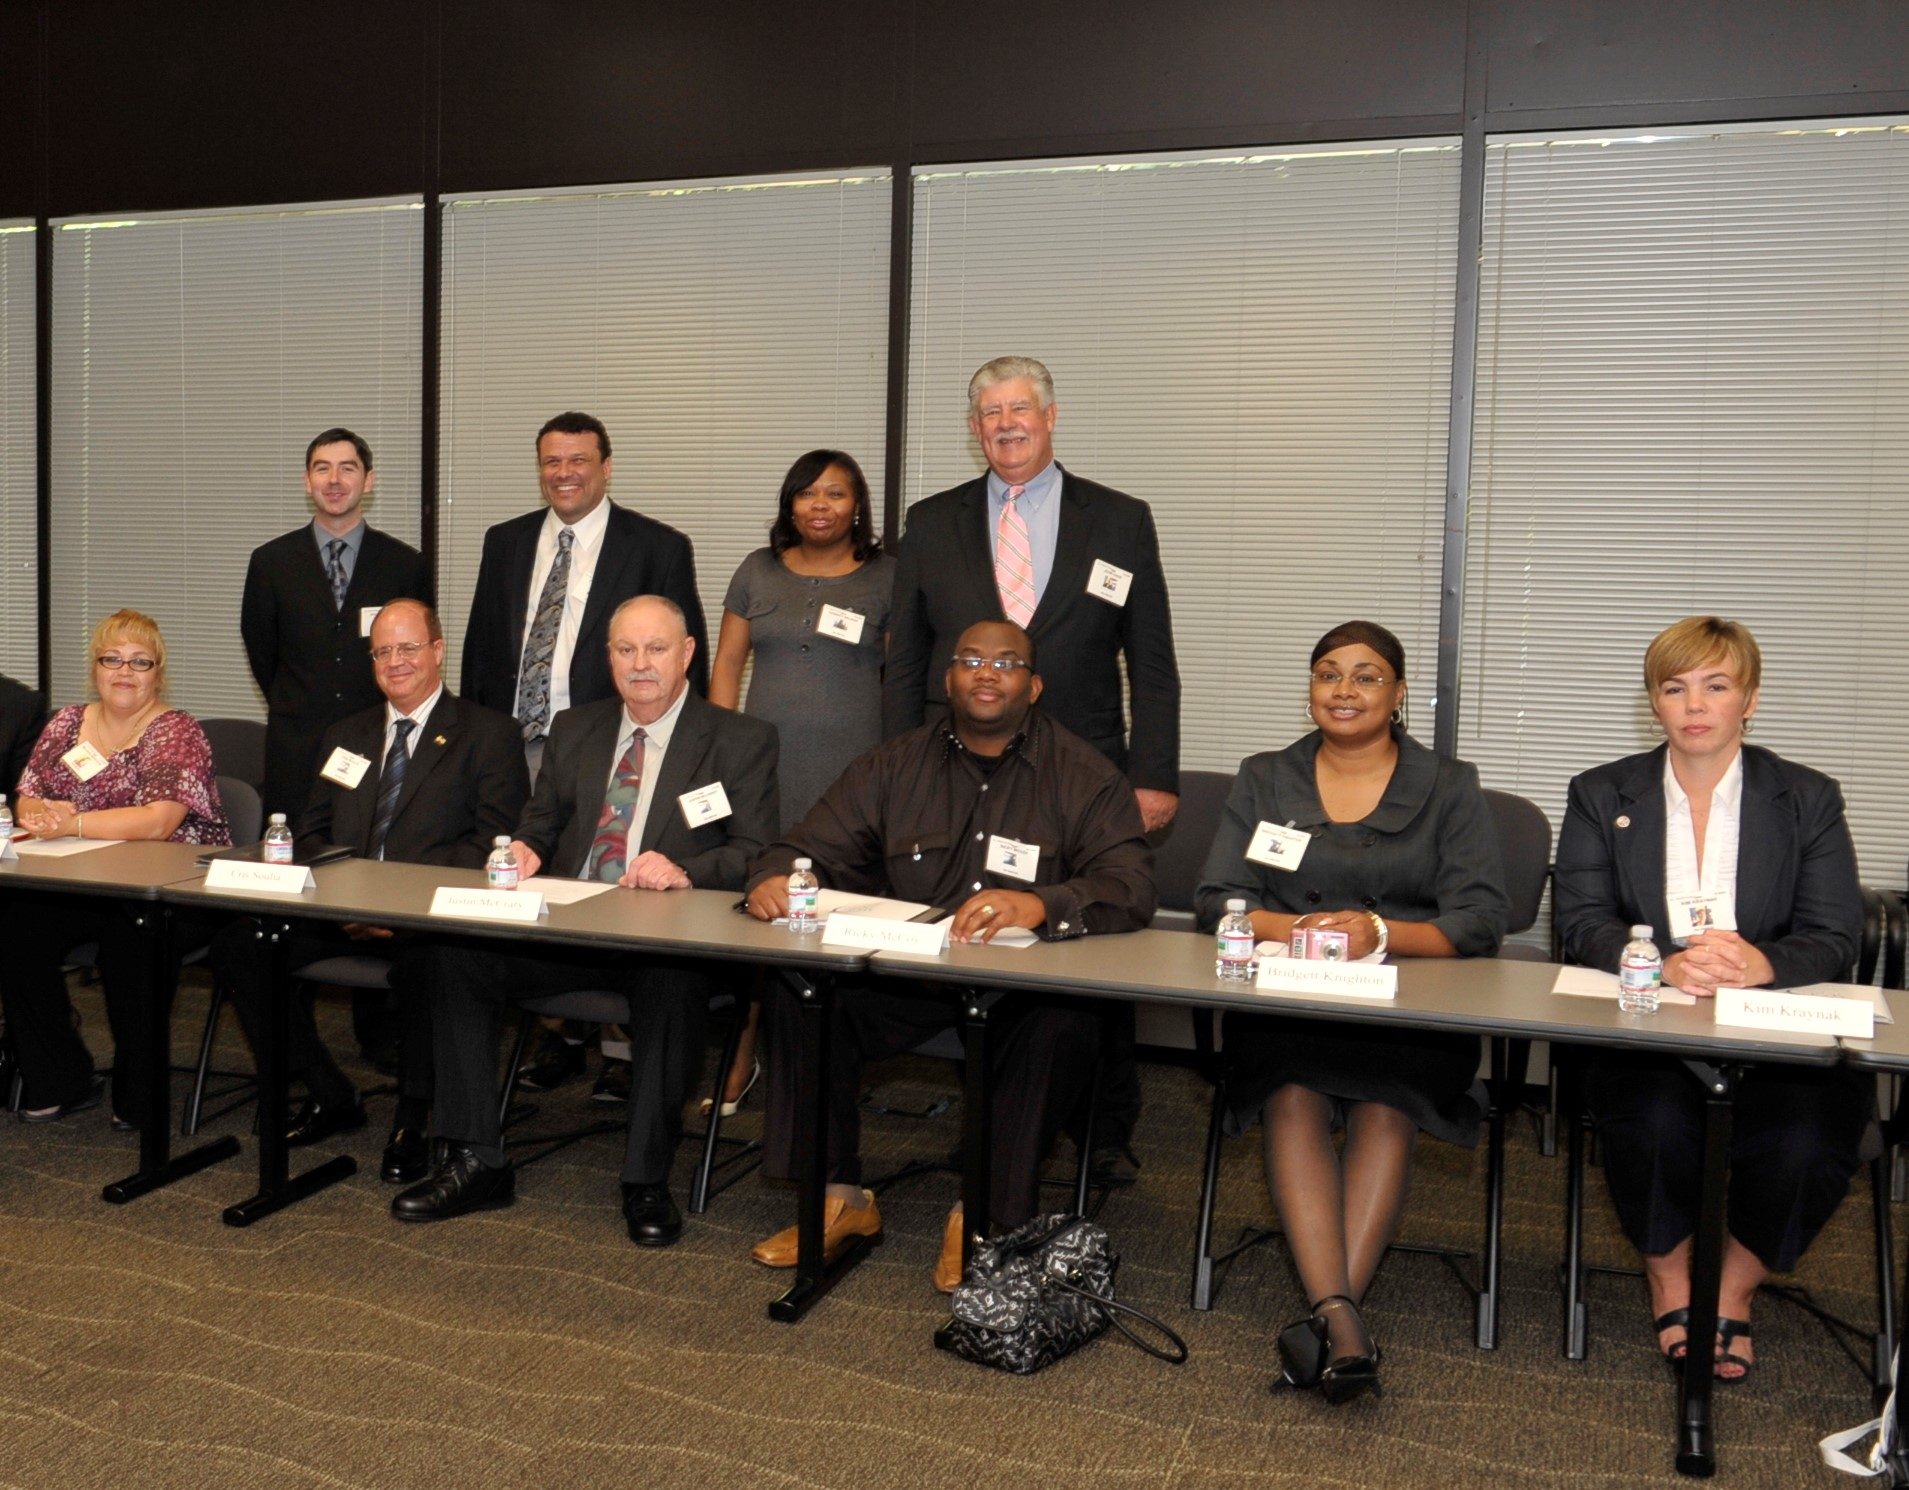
(1796, 1136)
(55, 1065)
(1119, 1110)
(1041, 1064)
(668, 1015)
(242, 963)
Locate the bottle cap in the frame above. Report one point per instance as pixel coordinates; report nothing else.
(501, 841)
(278, 817)
(1236, 905)
(1640, 933)
(804, 863)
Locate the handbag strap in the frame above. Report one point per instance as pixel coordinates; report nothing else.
(1174, 1354)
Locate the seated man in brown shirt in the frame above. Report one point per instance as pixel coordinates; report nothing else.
(923, 817)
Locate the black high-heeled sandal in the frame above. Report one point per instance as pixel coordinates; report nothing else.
(1302, 1351)
(1348, 1376)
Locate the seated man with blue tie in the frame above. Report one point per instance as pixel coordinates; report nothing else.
(425, 777)
(608, 806)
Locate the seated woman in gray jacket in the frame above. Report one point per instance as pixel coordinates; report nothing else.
(1742, 865)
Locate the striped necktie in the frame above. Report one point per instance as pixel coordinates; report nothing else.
(390, 783)
(610, 849)
(335, 568)
(1014, 561)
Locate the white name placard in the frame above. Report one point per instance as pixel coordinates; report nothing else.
(269, 879)
(1359, 980)
(7, 850)
(489, 905)
(873, 934)
(1800, 1013)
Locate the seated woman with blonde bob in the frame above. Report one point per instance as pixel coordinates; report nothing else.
(122, 767)
(1395, 848)
(1741, 863)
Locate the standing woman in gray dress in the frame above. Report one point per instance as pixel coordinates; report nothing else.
(1395, 848)
(813, 608)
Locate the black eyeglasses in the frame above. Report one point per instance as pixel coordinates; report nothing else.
(407, 650)
(999, 664)
(113, 662)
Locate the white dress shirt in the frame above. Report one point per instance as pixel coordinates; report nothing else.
(656, 738)
(417, 716)
(1718, 874)
(584, 551)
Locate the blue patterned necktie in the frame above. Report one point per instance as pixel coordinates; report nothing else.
(533, 678)
(390, 783)
(610, 849)
(335, 567)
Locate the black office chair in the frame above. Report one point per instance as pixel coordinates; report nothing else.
(1524, 841)
(1179, 854)
(238, 749)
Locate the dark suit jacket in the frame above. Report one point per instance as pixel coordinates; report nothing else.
(640, 556)
(22, 717)
(944, 583)
(709, 744)
(1798, 898)
(307, 655)
(466, 784)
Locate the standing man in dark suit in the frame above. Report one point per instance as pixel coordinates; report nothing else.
(624, 797)
(423, 778)
(22, 717)
(310, 596)
(1078, 565)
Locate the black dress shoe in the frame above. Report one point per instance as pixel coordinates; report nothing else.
(315, 1121)
(613, 1083)
(651, 1215)
(95, 1086)
(460, 1184)
(549, 1061)
(407, 1157)
(1114, 1165)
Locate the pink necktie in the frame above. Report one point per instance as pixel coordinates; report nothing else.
(1013, 561)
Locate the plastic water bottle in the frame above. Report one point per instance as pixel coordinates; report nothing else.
(500, 869)
(1640, 973)
(6, 820)
(277, 848)
(1233, 944)
(802, 887)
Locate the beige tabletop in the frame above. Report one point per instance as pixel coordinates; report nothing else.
(122, 871)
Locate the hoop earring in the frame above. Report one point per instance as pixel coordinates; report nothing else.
(1398, 716)
(1655, 728)
(1748, 725)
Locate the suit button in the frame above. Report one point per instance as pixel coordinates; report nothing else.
(1312, 897)
(805, 646)
(1369, 903)
(1368, 840)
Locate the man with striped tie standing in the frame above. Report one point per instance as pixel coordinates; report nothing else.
(622, 798)
(1078, 565)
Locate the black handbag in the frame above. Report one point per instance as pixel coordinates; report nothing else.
(1041, 1292)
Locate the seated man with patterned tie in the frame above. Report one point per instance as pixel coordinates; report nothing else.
(425, 777)
(608, 805)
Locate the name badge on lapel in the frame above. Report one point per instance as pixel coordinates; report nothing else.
(346, 768)
(366, 615)
(1691, 915)
(1109, 582)
(704, 805)
(1015, 860)
(1281, 848)
(84, 760)
(843, 625)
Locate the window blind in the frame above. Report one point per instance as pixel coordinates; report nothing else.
(719, 329)
(19, 455)
(194, 358)
(1259, 346)
(1693, 397)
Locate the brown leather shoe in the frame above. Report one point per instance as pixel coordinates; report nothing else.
(840, 1221)
(948, 1265)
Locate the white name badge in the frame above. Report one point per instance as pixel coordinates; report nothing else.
(489, 905)
(366, 615)
(1109, 582)
(345, 768)
(1282, 848)
(843, 625)
(1692, 915)
(705, 804)
(268, 879)
(84, 761)
(1358, 980)
(1015, 860)
(1803, 1013)
(873, 934)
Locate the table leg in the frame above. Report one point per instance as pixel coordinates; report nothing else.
(157, 1167)
(1696, 1435)
(1487, 1315)
(815, 1273)
(277, 1189)
(977, 1120)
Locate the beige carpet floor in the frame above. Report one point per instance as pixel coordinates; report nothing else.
(151, 1346)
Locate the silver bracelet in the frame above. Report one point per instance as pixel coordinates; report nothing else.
(1384, 931)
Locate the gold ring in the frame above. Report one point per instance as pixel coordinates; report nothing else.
(988, 910)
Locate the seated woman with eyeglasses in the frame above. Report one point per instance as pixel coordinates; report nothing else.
(122, 767)
(1356, 828)
(1742, 865)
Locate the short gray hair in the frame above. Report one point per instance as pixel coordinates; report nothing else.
(663, 600)
(1006, 370)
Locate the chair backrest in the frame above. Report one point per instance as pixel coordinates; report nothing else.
(1180, 848)
(242, 809)
(1524, 843)
(1869, 950)
(1895, 950)
(238, 749)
